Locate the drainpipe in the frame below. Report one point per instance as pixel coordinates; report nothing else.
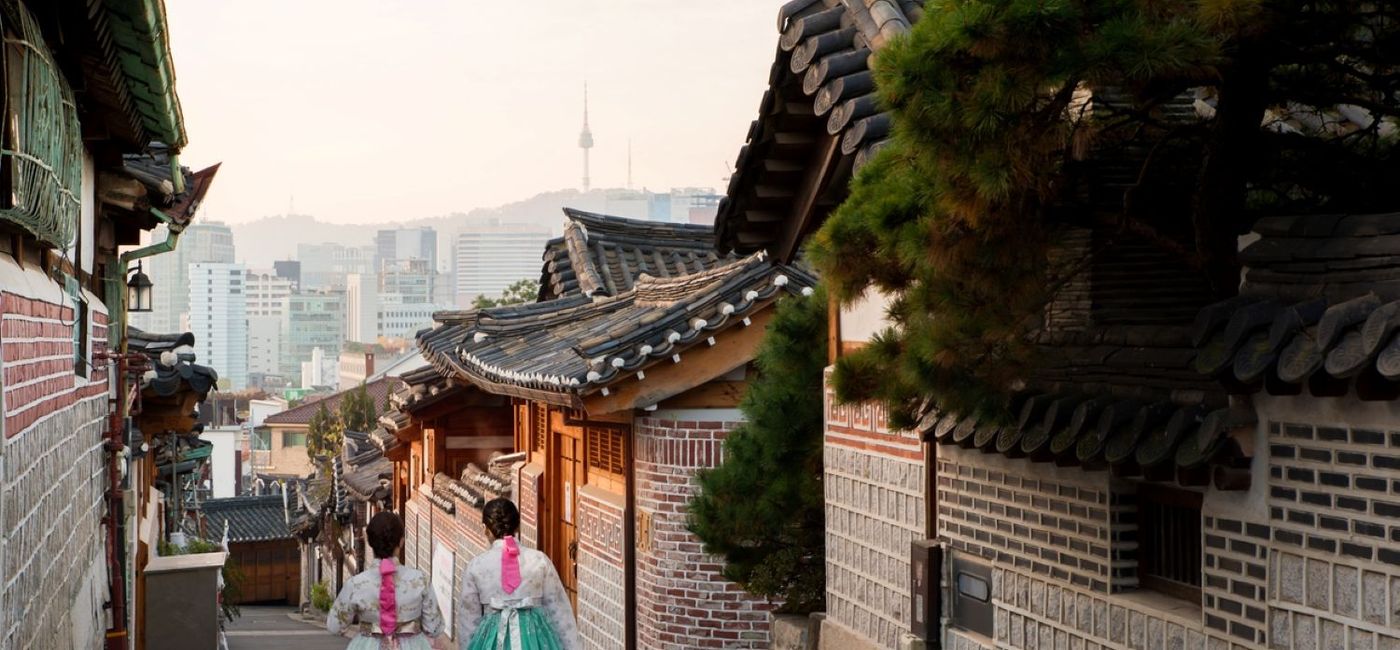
(116, 300)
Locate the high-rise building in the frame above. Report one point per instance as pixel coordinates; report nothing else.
(324, 266)
(402, 320)
(404, 244)
(361, 307)
(208, 241)
(219, 319)
(313, 320)
(268, 295)
(289, 269)
(489, 258)
(415, 280)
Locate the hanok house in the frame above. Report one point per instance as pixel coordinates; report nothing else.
(89, 97)
(624, 380)
(262, 550)
(279, 444)
(1184, 475)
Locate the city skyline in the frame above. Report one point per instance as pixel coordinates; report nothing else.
(282, 157)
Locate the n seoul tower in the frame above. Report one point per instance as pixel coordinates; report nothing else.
(585, 138)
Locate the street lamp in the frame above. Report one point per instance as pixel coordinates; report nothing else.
(138, 292)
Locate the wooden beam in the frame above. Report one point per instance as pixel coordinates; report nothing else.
(699, 365)
(714, 395)
(833, 329)
(818, 176)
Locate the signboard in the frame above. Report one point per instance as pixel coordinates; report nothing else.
(442, 581)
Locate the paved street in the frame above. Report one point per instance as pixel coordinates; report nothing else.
(269, 628)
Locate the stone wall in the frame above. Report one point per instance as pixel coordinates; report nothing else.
(1306, 558)
(682, 600)
(527, 486)
(1334, 512)
(875, 510)
(52, 469)
(602, 577)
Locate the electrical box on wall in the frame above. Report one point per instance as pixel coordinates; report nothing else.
(925, 568)
(971, 593)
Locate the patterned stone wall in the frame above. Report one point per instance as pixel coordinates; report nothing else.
(682, 600)
(1334, 507)
(875, 509)
(1061, 543)
(528, 487)
(602, 577)
(52, 470)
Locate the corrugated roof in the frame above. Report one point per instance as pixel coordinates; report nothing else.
(378, 391)
(250, 519)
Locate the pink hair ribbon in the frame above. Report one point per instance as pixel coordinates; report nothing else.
(510, 565)
(388, 603)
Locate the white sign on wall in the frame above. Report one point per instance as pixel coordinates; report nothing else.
(442, 581)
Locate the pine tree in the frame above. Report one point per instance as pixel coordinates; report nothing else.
(324, 436)
(357, 412)
(762, 508)
(994, 147)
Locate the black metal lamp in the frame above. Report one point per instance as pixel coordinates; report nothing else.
(138, 292)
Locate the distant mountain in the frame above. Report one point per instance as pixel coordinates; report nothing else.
(259, 243)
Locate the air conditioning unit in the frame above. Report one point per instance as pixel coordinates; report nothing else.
(925, 570)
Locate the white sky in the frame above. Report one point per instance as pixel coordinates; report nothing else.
(375, 110)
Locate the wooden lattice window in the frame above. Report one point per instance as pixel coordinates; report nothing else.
(1169, 534)
(607, 463)
(541, 432)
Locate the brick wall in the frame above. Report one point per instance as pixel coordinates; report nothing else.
(52, 469)
(528, 487)
(874, 484)
(682, 600)
(1334, 510)
(602, 578)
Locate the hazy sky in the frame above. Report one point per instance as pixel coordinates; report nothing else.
(369, 110)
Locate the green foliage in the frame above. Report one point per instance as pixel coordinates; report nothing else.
(357, 411)
(762, 508)
(994, 148)
(321, 597)
(522, 291)
(324, 436)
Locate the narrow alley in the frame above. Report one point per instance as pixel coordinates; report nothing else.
(272, 628)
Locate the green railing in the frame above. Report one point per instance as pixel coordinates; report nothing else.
(43, 158)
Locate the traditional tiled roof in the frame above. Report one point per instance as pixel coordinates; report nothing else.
(561, 349)
(378, 390)
(249, 519)
(600, 255)
(173, 366)
(1319, 307)
(365, 472)
(820, 105)
(153, 169)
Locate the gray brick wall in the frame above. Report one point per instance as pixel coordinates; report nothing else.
(1334, 509)
(875, 508)
(1235, 578)
(54, 476)
(602, 583)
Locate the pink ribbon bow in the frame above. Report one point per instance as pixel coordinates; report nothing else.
(510, 565)
(388, 602)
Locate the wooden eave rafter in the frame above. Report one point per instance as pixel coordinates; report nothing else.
(699, 365)
(805, 206)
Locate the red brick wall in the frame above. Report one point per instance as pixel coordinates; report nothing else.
(37, 355)
(682, 600)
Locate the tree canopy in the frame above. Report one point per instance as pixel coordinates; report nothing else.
(1009, 113)
(762, 508)
(519, 292)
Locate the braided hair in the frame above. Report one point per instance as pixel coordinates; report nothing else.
(500, 517)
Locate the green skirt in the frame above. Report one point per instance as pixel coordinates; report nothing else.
(528, 625)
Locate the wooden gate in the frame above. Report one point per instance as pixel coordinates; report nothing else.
(564, 494)
(270, 571)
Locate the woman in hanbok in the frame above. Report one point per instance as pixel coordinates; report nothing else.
(393, 605)
(511, 596)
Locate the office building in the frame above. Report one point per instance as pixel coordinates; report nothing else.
(209, 241)
(405, 244)
(489, 258)
(313, 320)
(218, 309)
(324, 266)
